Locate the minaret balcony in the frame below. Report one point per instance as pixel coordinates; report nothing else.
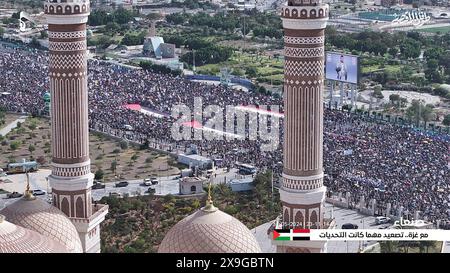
(66, 7)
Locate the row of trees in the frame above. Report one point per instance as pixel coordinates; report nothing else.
(262, 24)
(377, 43)
(209, 55)
(119, 16)
(438, 64)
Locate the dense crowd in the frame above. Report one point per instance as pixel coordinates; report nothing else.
(382, 161)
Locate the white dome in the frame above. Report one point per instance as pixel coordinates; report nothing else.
(45, 219)
(16, 239)
(209, 232)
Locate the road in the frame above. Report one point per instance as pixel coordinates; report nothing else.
(166, 185)
(5, 130)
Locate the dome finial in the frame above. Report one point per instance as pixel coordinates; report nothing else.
(28, 194)
(209, 203)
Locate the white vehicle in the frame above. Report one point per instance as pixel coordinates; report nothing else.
(147, 182)
(381, 220)
(39, 192)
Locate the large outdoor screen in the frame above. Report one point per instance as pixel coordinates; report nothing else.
(341, 67)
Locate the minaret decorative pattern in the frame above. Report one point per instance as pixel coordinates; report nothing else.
(302, 192)
(71, 177)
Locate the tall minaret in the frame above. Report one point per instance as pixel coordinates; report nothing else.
(71, 177)
(302, 193)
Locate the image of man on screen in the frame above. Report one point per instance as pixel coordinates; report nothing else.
(341, 69)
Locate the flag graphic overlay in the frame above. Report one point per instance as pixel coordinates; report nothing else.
(291, 234)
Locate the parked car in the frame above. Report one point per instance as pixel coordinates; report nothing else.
(146, 182)
(98, 185)
(115, 194)
(150, 190)
(122, 184)
(14, 195)
(39, 192)
(154, 180)
(349, 226)
(382, 220)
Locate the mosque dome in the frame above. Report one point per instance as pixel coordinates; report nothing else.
(38, 215)
(209, 230)
(16, 239)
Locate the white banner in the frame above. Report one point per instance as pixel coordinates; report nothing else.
(379, 235)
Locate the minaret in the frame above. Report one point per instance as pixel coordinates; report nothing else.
(71, 177)
(303, 193)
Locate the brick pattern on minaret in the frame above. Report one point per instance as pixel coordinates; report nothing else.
(68, 89)
(302, 192)
(71, 178)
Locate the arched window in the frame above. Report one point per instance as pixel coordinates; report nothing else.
(65, 207)
(286, 216)
(313, 219)
(299, 219)
(193, 189)
(80, 208)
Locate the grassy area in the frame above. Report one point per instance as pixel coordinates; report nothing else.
(32, 142)
(388, 68)
(443, 30)
(267, 68)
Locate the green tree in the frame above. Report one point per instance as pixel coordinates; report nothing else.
(177, 18)
(123, 16)
(134, 157)
(393, 51)
(251, 72)
(410, 49)
(31, 148)
(131, 39)
(394, 97)
(418, 111)
(377, 93)
(113, 167)
(99, 174)
(432, 71)
(14, 145)
(111, 28)
(103, 41)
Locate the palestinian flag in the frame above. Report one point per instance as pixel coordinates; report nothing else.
(291, 235)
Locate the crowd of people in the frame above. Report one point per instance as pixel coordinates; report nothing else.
(383, 161)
